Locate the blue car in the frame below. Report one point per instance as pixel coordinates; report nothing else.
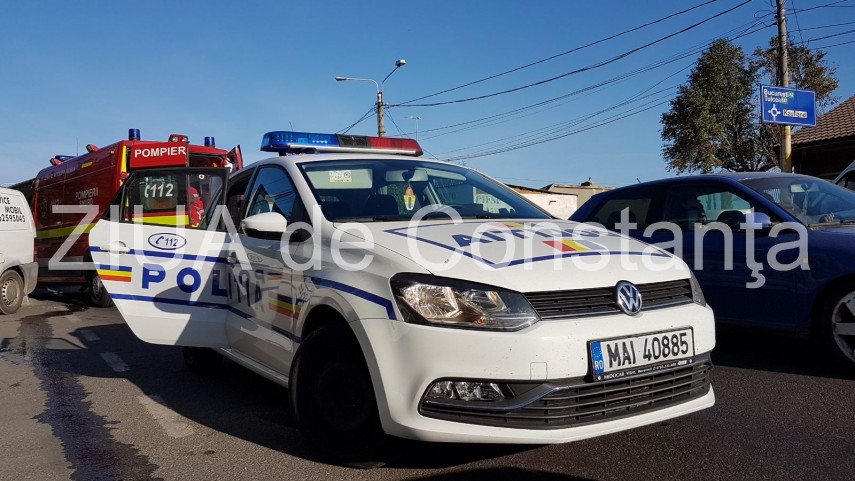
(772, 251)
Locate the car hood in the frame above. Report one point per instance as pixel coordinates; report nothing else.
(526, 256)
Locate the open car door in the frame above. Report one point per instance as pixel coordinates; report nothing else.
(161, 256)
(236, 158)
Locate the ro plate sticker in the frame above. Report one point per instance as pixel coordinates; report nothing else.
(341, 176)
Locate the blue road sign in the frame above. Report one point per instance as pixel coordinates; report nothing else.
(781, 105)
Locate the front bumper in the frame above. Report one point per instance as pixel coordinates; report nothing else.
(405, 359)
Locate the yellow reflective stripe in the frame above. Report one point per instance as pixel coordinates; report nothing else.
(166, 220)
(105, 272)
(124, 164)
(61, 232)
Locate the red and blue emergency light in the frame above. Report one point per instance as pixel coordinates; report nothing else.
(286, 142)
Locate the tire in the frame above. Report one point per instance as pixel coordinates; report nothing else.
(11, 292)
(333, 399)
(836, 326)
(201, 360)
(98, 296)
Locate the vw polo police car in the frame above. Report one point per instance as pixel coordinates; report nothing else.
(408, 297)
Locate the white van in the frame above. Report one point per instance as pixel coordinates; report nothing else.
(17, 233)
(407, 297)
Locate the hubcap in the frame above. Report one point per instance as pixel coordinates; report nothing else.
(10, 292)
(843, 325)
(97, 286)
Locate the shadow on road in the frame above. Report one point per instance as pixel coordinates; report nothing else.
(765, 351)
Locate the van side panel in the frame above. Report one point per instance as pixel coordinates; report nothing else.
(17, 230)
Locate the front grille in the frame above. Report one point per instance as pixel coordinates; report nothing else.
(577, 404)
(601, 300)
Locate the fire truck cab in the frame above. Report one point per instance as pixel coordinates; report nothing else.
(70, 196)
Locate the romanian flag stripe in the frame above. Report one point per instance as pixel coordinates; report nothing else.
(105, 277)
(114, 268)
(284, 305)
(567, 245)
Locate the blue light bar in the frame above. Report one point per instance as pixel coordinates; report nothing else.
(282, 142)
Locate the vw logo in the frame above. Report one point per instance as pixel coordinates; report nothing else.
(628, 298)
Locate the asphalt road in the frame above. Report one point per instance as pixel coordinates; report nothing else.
(81, 398)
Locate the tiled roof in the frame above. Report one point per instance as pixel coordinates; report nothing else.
(837, 123)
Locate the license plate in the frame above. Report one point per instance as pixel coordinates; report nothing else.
(627, 356)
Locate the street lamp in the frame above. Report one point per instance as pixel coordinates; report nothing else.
(417, 119)
(381, 128)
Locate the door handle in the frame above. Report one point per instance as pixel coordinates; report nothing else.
(118, 248)
(231, 258)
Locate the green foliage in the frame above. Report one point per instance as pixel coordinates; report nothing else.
(808, 70)
(713, 123)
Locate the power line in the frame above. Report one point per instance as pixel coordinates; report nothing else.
(838, 34)
(371, 110)
(743, 30)
(583, 69)
(796, 16)
(566, 52)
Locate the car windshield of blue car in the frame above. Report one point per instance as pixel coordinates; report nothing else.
(380, 190)
(813, 202)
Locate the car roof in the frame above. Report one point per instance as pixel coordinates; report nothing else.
(307, 158)
(723, 176)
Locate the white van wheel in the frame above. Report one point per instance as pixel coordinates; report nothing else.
(11, 292)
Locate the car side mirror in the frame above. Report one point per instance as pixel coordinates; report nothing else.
(266, 225)
(756, 221)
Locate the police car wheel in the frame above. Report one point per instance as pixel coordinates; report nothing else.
(333, 398)
(201, 360)
(836, 325)
(11, 292)
(98, 295)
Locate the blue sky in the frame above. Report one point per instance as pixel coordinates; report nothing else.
(84, 72)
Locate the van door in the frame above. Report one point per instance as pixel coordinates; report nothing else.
(162, 258)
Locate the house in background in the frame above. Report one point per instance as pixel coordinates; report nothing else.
(561, 205)
(825, 150)
(583, 191)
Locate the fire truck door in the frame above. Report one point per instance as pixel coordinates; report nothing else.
(162, 257)
(236, 158)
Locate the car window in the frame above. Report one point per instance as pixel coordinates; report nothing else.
(171, 197)
(272, 191)
(235, 199)
(848, 181)
(693, 206)
(810, 200)
(639, 204)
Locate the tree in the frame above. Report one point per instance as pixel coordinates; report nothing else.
(714, 122)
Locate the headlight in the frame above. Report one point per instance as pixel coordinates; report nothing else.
(697, 293)
(426, 299)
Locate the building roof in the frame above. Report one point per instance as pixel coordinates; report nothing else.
(839, 122)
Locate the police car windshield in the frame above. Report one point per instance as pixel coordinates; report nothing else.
(393, 189)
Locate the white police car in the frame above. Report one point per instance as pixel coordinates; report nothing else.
(406, 297)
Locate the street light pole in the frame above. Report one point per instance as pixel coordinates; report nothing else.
(417, 119)
(381, 126)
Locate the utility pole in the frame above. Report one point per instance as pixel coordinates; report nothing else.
(786, 162)
(381, 126)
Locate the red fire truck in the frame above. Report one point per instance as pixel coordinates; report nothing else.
(61, 194)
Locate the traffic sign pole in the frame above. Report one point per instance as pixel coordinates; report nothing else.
(786, 163)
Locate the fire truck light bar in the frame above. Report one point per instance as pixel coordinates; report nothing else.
(285, 142)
